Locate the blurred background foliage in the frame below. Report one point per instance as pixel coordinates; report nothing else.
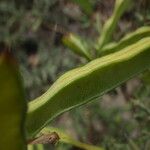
(33, 30)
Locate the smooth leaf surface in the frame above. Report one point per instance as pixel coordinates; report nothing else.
(12, 105)
(111, 23)
(86, 83)
(126, 41)
(77, 45)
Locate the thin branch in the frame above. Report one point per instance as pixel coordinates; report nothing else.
(51, 138)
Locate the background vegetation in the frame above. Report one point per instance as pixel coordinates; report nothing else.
(34, 30)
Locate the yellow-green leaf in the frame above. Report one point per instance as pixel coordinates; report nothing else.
(111, 23)
(126, 41)
(77, 45)
(12, 105)
(86, 83)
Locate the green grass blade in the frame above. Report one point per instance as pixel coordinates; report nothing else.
(86, 83)
(12, 105)
(126, 41)
(77, 45)
(111, 23)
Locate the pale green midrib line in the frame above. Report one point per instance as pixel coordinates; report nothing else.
(142, 30)
(87, 70)
(68, 74)
(102, 61)
(138, 32)
(83, 72)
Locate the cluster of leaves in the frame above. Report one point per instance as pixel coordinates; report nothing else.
(22, 25)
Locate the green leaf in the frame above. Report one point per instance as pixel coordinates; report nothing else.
(126, 41)
(12, 105)
(36, 147)
(111, 23)
(39, 147)
(87, 83)
(77, 45)
(30, 147)
(65, 138)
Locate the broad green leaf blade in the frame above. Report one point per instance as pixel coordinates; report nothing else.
(12, 105)
(65, 138)
(126, 41)
(111, 23)
(77, 45)
(86, 83)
